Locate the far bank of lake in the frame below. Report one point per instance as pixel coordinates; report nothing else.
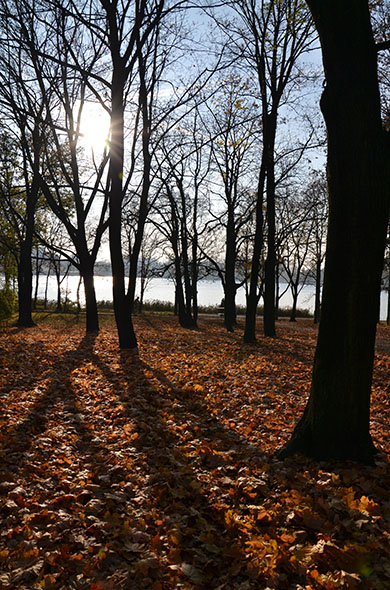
(209, 292)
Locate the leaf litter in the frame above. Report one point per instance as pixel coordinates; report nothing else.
(155, 469)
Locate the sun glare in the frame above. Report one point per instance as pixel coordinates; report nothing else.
(94, 128)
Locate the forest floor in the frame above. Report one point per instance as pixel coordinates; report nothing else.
(155, 470)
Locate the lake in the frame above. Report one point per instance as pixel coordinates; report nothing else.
(209, 292)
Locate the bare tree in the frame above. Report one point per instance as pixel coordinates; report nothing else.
(316, 198)
(234, 126)
(269, 38)
(47, 99)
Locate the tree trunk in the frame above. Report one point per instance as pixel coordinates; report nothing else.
(142, 295)
(46, 287)
(186, 272)
(185, 320)
(335, 423)
(58, 277)
(25, 288)
(122, 304)
(78, 294)
(143, 205)
(269, 275)
(277, 291)
(294, 292)
(90, 300)
(37, 271)
(194, 281)
(253, 298)
(25, 274)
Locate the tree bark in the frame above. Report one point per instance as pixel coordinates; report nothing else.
(270, 262)
(25, 274)
(294, 291)
(122, 304)
(335, 423)
(25, 288)
(90, 300)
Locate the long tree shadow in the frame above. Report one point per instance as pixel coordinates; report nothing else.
(21, 436)
(185, 449)
(57, 476)
(184, 471)
(154, 488)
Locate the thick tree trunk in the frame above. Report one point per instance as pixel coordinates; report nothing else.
(122, 304)
(185, 319)
(25, 274)
(230, 314)
(25, 288)
(269, 275)
(336, 419)
(90, 300)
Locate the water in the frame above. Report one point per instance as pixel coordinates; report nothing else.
(209, 292)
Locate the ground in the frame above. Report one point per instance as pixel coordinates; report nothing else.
(155, 470)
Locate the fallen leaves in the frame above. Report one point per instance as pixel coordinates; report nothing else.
(155, 471)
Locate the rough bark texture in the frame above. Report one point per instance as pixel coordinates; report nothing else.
(336, 419)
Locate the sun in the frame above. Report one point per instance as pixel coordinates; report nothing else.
(94, 127)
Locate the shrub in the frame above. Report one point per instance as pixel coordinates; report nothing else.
(8, 302)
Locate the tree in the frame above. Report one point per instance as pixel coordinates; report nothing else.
(183, 165)
(146, 269)
(72, 185)
(316, 196)
(335, 422)
(18, 203)
(24, 112)
(234, 125)
(295, 247)
(386, 276)
(274, 36)
(45, 102)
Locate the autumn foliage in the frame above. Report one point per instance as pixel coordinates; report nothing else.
(155, 470)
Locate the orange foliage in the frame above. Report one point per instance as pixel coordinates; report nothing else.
(154, 470)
